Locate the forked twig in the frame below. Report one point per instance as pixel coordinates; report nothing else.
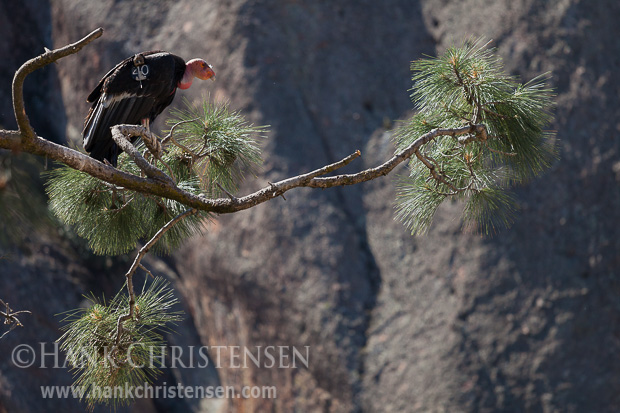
(10, 317)
(137, 264)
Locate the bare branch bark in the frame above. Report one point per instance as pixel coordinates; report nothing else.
(121, 133)
(9, 317)
(137, 262)
(50, 56)
(408, 152)
(84, 163)
(171, 133)
(159, 184)
(156, 182)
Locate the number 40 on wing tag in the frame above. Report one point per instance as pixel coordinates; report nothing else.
(140, 73)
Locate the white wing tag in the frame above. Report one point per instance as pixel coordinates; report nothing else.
(140, 73)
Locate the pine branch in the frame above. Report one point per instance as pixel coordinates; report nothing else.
(10, 317)
(369, 174)
(467, 85)
(99, 361)
(170, 135)
(50, 56)
(476, 130)
(220, 145)
(121, 135)
(467, 82)
(137, 263)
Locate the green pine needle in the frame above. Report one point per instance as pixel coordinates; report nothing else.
(417, 204)
(467, 85)
(222, 145)
(98, 363)
(109, 219)
(212, 149)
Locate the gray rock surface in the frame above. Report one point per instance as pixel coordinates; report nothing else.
(526, 320)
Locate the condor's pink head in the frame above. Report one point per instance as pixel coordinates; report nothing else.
(196, 68)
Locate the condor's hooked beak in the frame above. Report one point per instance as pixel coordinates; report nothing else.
(210, 73)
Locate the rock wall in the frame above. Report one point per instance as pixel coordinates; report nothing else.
(526, 320)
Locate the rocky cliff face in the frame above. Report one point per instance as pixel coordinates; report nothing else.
(526, 320)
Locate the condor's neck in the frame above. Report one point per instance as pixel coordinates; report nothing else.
(187, 79)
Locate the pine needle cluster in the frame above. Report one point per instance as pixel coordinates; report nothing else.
(208, 151)
(467, 86)
(218, 144)
(99, 362)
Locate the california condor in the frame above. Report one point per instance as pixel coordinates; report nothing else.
(135, 92)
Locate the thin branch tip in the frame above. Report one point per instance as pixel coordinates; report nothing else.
(10, 317)
(137, 263)
(49, 56)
